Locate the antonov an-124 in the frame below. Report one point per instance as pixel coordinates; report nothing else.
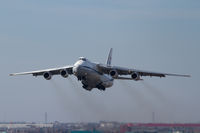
(96, 75)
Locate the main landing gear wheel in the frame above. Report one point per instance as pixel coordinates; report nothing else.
(84, 86)
(81, 78)
(101, 87)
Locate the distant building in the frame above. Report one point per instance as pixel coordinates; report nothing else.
(85, 132)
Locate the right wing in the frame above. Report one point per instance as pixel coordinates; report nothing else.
(53, 71)
(126, 71)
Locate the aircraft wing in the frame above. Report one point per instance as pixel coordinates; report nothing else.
(53, 71)
(125, 71)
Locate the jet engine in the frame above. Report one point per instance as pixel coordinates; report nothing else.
(47, 75)
(135, 76)
(64, 73)
(113, 73)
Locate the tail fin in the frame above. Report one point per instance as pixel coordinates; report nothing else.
(109, 58)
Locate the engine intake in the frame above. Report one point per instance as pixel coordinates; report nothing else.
(47, 75)
(135, 76)
(113, 73)
(64, 73)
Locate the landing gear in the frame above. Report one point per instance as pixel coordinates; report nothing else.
(101, 87)
(85, 86)
(81, 78)
(89, 84)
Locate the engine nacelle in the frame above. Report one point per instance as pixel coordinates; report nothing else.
(113, 73)
(135, 76)
(47, 75)
(64, 73)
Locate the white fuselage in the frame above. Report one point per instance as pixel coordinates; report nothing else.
(90, 76)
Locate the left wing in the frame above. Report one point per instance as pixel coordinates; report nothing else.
(125, 71)
(53, 71)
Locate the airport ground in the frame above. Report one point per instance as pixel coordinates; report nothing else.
(101, 127)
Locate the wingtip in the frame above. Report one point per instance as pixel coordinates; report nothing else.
(12, 74)
(188, 76)
(179, 75)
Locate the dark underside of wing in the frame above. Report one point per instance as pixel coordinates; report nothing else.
(126, 71)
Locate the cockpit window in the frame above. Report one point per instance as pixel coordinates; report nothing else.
(83, 58)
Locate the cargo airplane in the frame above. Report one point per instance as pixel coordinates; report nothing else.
(96, 75)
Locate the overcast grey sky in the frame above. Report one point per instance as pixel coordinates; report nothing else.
(154, 35)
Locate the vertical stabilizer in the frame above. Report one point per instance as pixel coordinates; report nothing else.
(109, 58)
